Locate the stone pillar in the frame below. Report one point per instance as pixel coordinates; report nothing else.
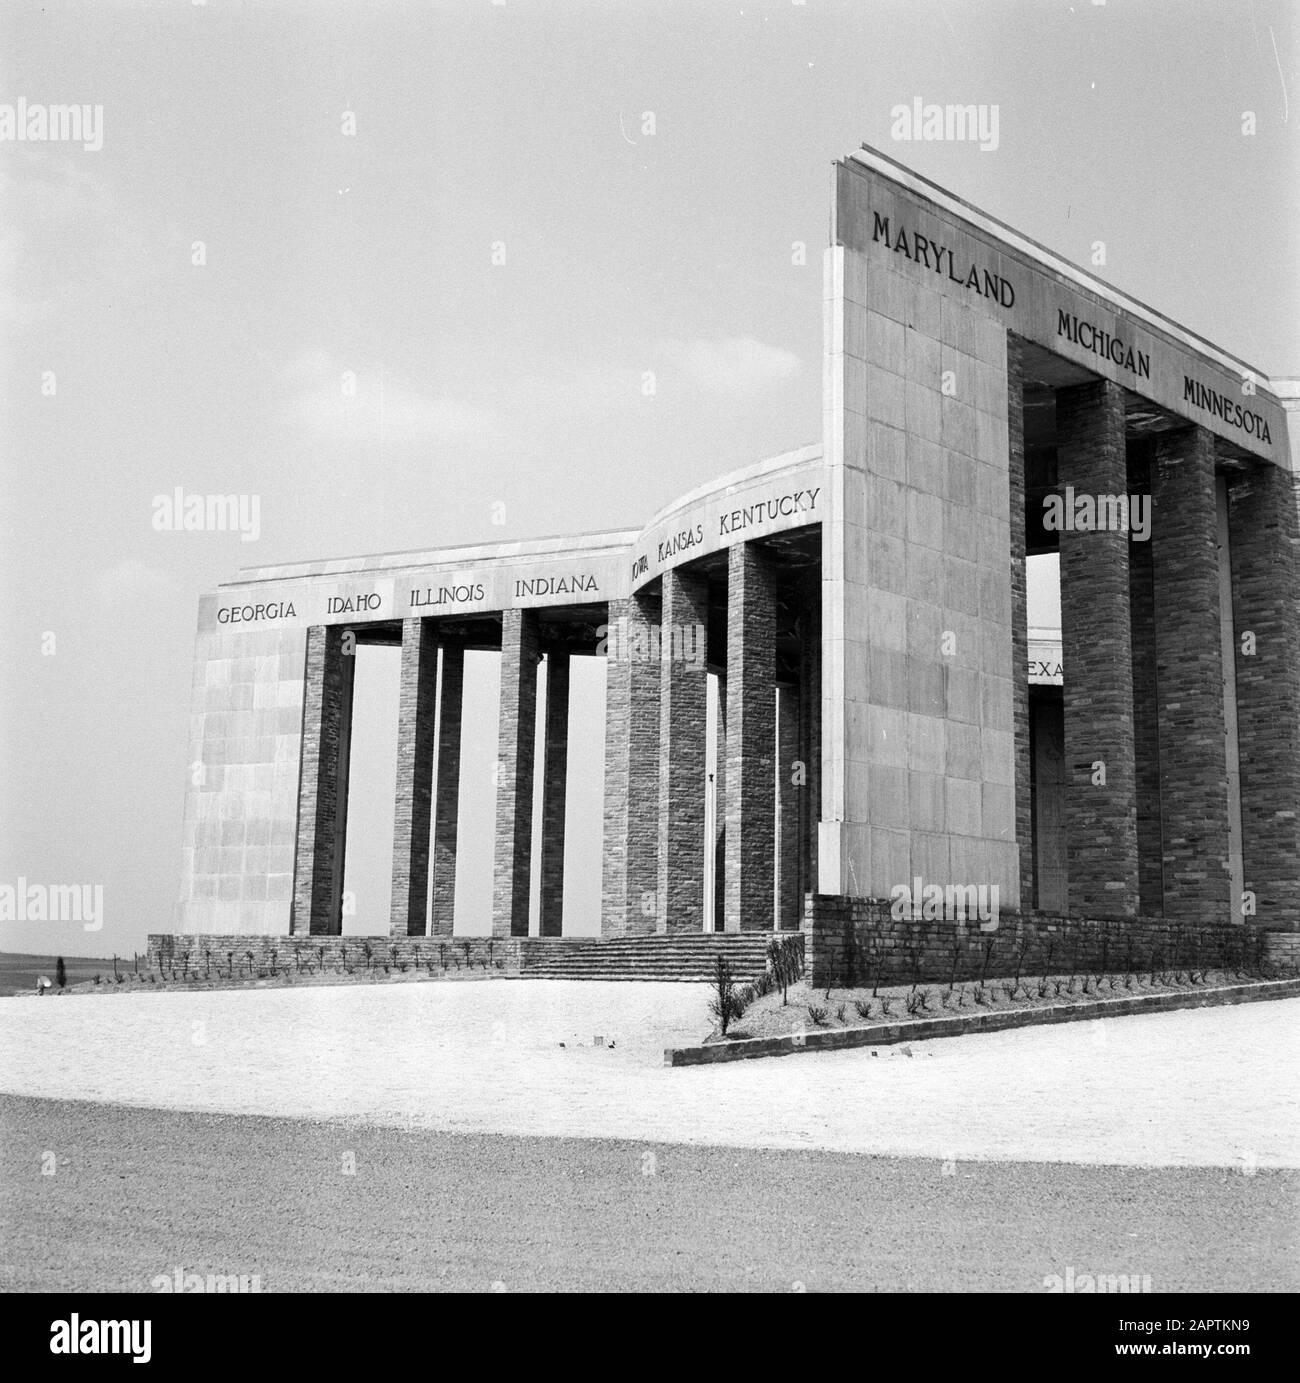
(1146, 712)
(1265, 550)
(683, 715)
(416, 706)
(720, 810)
(1101, 804)
(751, 739)
(515, 735)
(1020, 618)
(630, 876)
(446, 819)
(789, 794)
(555, 772)
(323, 784)
(810, 712)
(1189, 656)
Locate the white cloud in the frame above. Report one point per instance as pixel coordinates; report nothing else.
(65, 235)
(336, 404)
(130, 579)
(732, 365)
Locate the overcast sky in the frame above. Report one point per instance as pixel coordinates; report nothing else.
(647, 169)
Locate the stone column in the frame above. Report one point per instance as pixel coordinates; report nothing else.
(1265, 550)
(720, 810)
(1101, 805)
(630, 878)
(323, 783)
(554, 784)
(683, 713)
(446, 820)
(1189, 656)
(1020, 618)
(751, 739)
(810, 711)
(516, 729)
(1146, 701)
(788, 797)
(416, 706)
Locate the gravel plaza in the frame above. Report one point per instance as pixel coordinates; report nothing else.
(511, 1057)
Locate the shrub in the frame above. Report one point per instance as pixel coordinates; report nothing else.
(1022, 950)
(989, 942)
(952, 971)
(784, 964)
(725, 1002)
(886, 1001)
(839, 1013)
(817, 1014)
(863, 1007)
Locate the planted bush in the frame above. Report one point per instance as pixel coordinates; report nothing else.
(725, 1002)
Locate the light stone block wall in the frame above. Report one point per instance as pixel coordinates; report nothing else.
(241, 803)
(918, 758)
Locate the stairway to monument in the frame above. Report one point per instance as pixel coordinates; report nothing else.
(687, 958)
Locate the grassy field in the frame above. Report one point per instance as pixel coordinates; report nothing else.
(18, 971)
(334, 1207)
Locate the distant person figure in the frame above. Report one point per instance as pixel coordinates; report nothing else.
(42, 984)
(60, 973)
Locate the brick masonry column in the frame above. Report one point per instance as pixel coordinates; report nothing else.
(1265, 549)
(446, 819)
(413, 807)
(555, 772)
(751, 739)
(1101, 817)
(789, 794)
(683, 715)
(516, 729)
(1146, 718)
(1189, 674)
(1020, 618)
(720, 810)
(323, 784)
(630, 874)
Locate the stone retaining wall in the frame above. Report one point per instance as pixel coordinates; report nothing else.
(846, 938)
(295, 953)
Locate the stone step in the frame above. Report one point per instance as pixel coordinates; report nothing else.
(683, 959)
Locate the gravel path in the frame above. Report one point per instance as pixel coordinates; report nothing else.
(1209, 1087)
(137, 1193)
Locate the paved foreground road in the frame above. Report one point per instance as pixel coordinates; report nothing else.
(139, 1192)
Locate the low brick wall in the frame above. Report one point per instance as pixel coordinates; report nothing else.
(959, 1025)
(202, 955)
(847, 938)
